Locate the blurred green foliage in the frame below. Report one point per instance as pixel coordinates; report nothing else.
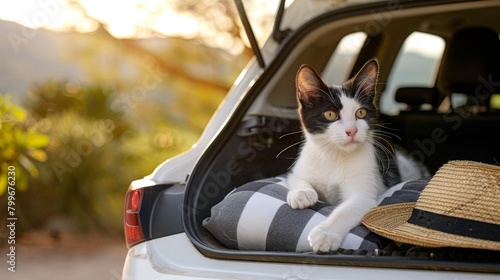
(21, 144)
(81, 155)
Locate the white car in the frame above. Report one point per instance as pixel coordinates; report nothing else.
(432, 97)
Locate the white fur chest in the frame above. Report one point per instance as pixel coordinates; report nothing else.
(334, 174)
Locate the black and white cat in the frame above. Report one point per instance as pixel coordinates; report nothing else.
(346, 159)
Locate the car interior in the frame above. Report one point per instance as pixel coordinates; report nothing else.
(442, 104)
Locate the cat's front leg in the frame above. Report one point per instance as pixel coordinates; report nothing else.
(329, 234)
(301, 194)
(324, 238)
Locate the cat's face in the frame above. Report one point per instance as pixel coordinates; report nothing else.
(340, 116)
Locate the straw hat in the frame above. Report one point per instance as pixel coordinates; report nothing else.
(460, 207)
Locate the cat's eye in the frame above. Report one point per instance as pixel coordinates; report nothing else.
(361, 113)
(330, 115)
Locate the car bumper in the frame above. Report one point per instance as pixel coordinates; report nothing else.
(175, 257)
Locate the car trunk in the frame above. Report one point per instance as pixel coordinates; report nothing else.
(252, 146)
(263, 147)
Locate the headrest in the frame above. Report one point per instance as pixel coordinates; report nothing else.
(471, 59)
(414, 97)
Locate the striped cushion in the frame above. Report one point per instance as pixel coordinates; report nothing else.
(256, 217)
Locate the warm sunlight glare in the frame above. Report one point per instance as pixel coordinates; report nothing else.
(50, 14)
(126, 18)
(144, 18)
(122, 18)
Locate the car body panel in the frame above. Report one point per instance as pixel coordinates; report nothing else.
(175, 257)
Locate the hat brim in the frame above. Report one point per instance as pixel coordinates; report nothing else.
(390, 221)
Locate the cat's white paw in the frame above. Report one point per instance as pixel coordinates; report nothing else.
(323, 239)
(301, 198)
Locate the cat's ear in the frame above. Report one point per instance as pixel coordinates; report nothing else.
(365, 80)
(309, 84)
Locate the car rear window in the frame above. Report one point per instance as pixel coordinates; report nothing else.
(417, 64)
(340, 64)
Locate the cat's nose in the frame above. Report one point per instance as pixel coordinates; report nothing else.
(351, 132)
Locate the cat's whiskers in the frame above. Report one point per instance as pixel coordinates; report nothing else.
(387, 152)
(290, 146)
(289, 134)
(326, 146)
(388, 134)
(388, 146)
(328, 150)
(294, 144)
(383, 125)
(387, 149)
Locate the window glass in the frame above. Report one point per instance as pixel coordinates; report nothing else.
(342, 60)
(417, 65)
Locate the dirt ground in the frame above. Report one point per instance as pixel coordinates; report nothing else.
(41, 256)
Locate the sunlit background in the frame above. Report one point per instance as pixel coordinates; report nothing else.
(95, 94)
(214, 21)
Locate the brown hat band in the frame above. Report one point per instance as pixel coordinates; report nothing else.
(454, 225)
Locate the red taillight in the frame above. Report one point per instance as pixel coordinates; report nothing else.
(135, 200)
(131, 222)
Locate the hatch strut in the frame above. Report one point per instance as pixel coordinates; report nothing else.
(248, 30)
(278, 34)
